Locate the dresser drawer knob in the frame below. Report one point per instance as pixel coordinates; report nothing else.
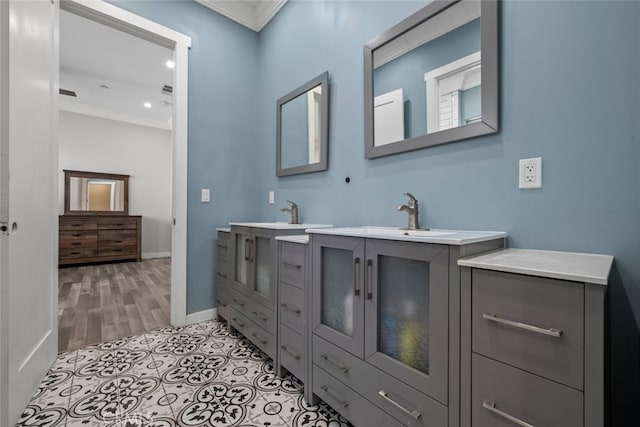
(552, 332)
(491, 406)
(413, 414)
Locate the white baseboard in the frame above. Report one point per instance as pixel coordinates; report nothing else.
(202, 316)
(147, 255)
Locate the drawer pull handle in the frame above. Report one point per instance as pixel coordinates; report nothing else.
(219, 301)
(76, 243)
(241, 324)
(288, 264)
(259, 338)
(367, 279)
(413, 414)
(356, 276)
(76, 234)
(76, 253)
(224, 276)
(290, 353)
(246, 249)
(76, 225)
(342, 403)
(552, 332)
(222, 246)
(491, 406)
(295, 310)
(240, 303)
(260, 316)
(344, 369)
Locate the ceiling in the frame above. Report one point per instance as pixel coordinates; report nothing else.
(134, 71)
(254, 14)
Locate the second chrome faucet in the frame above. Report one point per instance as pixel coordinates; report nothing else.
(411, 208)
(293, 211)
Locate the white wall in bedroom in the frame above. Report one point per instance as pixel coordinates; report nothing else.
(94, 144)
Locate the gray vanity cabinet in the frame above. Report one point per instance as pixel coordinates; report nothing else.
(253, 275)
(223, 285)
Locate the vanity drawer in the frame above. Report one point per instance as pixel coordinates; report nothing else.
(402, 401)
(77, 235)
(254, 333)
(498, 299)
(66, 224)
(240, 302)
(292, 256)
(117, 223)
(222, 275)
(355, 408)
(117, 238)
(261, 316)
(292, 352)
(292, 308)
(118, 251)
(519, 394)
(71, 253)
(222, 246)
(223, 303)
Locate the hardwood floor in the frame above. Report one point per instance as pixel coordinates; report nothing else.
(98, 303)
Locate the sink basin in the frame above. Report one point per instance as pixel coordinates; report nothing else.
(392, 231)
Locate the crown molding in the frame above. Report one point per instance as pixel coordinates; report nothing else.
(253, 14)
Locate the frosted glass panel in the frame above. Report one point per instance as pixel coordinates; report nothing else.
(337, 289)
(241, 263)
(403, 327)
(263, 266)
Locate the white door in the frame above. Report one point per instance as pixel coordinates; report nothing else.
(28, 197)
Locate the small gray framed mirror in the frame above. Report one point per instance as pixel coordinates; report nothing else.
(302, 125)
(432, 79)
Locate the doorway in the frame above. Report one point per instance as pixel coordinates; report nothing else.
(168, 273)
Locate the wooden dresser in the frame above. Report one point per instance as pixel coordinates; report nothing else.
(99, 238)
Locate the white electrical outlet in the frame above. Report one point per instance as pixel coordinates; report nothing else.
(272, 197)
(530, 175)
(205, 195)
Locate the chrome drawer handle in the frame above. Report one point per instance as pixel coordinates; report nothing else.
(241, 304)
(241, 324)
(222, 246)
(286, 307)
(290, 353)
(491, 406)
(552, 332)
(367, 279)
(224, 276)
(356, 276)
(413, 414)
(344, 369)
(260, 316)
(288, 264)
(259, 338)
(343, 403)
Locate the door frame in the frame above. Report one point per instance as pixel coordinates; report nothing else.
(120, 19)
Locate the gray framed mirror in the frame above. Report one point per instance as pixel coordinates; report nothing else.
(432, 79)
(95, 193)
(302, 125)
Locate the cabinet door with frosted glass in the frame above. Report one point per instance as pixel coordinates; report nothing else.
(406, 313)
(240, 246)
(262, 252)
(337, 304)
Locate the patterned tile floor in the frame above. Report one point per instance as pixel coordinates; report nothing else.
(199, 375)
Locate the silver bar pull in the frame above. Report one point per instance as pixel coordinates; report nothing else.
(288, 264)
(356, 276)
(413, 414)
(552, 332)
(290, 353)
(239, 322)
(259, 338)
(260, 316)
(240, 303)
(224, 276)
(295, 310)
(491, 406)
(344, 369)
(343, 403)
(367, 279)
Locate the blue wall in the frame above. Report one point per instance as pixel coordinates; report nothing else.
(223, 68)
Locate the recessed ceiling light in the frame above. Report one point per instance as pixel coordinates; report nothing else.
(104, 87)
(170, 64)
(147, 104)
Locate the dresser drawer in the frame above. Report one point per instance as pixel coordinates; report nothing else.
(355, 408)
(67, 224)
(532, 323)
(222, 246)
(117, 238)
(292, 352)
(403, 402)
(292, 268)
(291, 308)
(77, 235)
(117, 223)
(87, 243)
(515, 393)
(118, 251)
(71, 253)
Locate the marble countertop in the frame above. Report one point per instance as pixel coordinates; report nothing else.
(587, 268)
(298, 238)
(279, 225)
(445, 237)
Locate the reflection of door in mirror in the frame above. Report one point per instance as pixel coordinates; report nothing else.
(388, 117)
(301, 129)
(101, 195)
(314, 103)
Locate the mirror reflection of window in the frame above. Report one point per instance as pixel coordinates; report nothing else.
(301, 129)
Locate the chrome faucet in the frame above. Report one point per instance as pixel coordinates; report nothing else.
(293, 211)
(412, 209)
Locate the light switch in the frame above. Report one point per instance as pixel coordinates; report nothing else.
(272, 197)
(205, 195)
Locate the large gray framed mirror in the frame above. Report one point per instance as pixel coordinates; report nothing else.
(302, 125)
(432, 79)
(95, 193)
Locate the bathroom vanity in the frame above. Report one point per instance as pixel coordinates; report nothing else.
(223, 286)
(385, 321)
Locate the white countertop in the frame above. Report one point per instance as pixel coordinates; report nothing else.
(445, 237)
(224, 229)
(279, 225)
(297, 238)
(587, 268)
